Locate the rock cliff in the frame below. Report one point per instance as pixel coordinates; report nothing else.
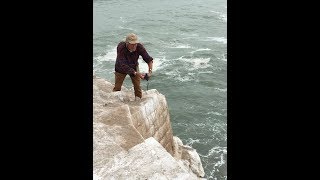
(133, 139)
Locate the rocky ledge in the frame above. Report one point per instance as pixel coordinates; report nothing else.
(133, 139)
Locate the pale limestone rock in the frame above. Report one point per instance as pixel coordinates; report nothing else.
(177, 147)
(193, 158)
(188, 157)
(103, 85)
(147, 160)
(122, 139)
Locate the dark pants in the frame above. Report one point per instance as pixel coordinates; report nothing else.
(119, 78)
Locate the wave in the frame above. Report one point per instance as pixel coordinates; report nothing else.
(127, 28)
(197, 50)
(183, 79)
(197, 63)
(177, 76)
(110, 55)
(221, 16)
(190, 64)
(221, 90)
(206, 72)
(217, 39)
(190, 141)
(158, 63)
(221, 39)
(189, 35)
(223, 59)
(179, 46)
(215, 113)
(123, 20)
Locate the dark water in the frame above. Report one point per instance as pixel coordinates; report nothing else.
(188, 41)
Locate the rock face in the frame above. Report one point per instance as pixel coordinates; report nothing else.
(134, 139)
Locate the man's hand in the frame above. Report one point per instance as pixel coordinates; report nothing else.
(140, 75)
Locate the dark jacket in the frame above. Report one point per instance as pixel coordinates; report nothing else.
(127, 61)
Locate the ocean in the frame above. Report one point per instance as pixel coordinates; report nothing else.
(188, 41)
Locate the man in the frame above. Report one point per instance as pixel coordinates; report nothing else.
(128, 53)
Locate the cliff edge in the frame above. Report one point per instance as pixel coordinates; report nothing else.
(134, 139)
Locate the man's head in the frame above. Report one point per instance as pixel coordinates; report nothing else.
(131, 41)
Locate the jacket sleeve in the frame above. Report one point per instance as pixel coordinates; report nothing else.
(144, 54)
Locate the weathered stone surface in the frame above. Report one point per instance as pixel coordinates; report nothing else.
(134, 139)
(147, 160)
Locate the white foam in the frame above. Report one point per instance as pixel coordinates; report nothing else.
(181, 58)
(206, 49)
(181, 46)
(190, 141)
(223, 59)
(197, 63)
(200, 125)
(183, 79)
(217, 39)
(128, 28)
(200, 63)
(206, 72)
(178, 45)
(171, 73)
(215, 113)
(221, 162)
(110, 55)
(221, 90)
(176, 75)
(221, 16)
(123, 20)
(188, 34)
(158, 63)
(216, 150)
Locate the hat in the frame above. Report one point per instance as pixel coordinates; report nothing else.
(132, 38)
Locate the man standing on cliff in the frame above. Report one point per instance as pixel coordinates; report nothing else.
(128, 53)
